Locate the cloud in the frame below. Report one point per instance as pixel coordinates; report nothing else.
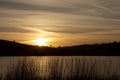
(104, 8)
(15, 29)
(31, 7)
(73, 24)
(70, 17)
(72, 30)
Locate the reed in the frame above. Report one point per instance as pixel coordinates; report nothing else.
(80, 69)
(22, 70)
(0, 77)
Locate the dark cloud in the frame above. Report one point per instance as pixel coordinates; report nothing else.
(24, 6)
(74, 30)
(15, 29)
(113, 5)
(106, 34)
(104, 8)
(8, 15)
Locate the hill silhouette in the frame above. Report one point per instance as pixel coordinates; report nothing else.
(12, 48)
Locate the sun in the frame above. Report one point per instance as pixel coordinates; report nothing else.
(41, 42)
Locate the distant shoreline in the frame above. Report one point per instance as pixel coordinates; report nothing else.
(11, 48)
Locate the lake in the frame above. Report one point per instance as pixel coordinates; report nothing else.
(60, 68)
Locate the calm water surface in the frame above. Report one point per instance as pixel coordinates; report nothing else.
(64, 66)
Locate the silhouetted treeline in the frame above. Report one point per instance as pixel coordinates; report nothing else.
(12, 48)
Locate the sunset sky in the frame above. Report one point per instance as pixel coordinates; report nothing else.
(60, 22)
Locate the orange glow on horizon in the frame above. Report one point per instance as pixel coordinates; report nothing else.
(41, 42)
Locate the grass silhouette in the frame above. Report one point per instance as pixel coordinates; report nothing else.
(24, 70)
(0, 77)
